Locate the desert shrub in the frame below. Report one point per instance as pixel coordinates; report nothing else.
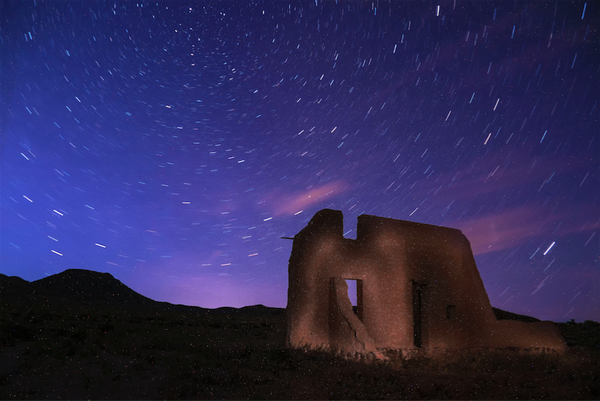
(585, 334)
(105, 327)
(279, 354)
(79, 335)
(12, 334)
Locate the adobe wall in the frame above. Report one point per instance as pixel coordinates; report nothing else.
(412, 275)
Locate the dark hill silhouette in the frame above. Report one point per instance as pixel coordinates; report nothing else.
(86, 288)
(91, 288)
(80, 287)
(14, 290)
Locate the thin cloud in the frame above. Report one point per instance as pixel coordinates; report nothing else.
(511, 227)
(500, 231)
(298, 202)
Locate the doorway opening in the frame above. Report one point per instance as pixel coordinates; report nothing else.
(355, 293)
(417, 304)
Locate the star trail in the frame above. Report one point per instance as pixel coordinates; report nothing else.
(173, 144)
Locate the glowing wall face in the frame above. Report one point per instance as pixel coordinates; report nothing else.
(417, 286)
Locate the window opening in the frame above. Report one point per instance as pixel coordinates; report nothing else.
(450, 312)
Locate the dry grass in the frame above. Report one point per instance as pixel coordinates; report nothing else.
(54, 352)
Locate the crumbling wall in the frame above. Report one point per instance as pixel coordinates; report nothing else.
(419, 288)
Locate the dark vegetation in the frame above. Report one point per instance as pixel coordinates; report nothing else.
(83, 334)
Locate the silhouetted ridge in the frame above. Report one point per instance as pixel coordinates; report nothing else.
(13, 288)
(91, 288)
(261, 310)
(12, 283)
(86, 287)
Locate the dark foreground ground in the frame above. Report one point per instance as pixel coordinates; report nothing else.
(58, 348)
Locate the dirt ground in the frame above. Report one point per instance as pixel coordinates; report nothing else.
(57, 351)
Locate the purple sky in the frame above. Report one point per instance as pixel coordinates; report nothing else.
(173, 143)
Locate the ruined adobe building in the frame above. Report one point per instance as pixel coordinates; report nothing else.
(417, 287)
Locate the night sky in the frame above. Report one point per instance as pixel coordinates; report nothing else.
(172, 144)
